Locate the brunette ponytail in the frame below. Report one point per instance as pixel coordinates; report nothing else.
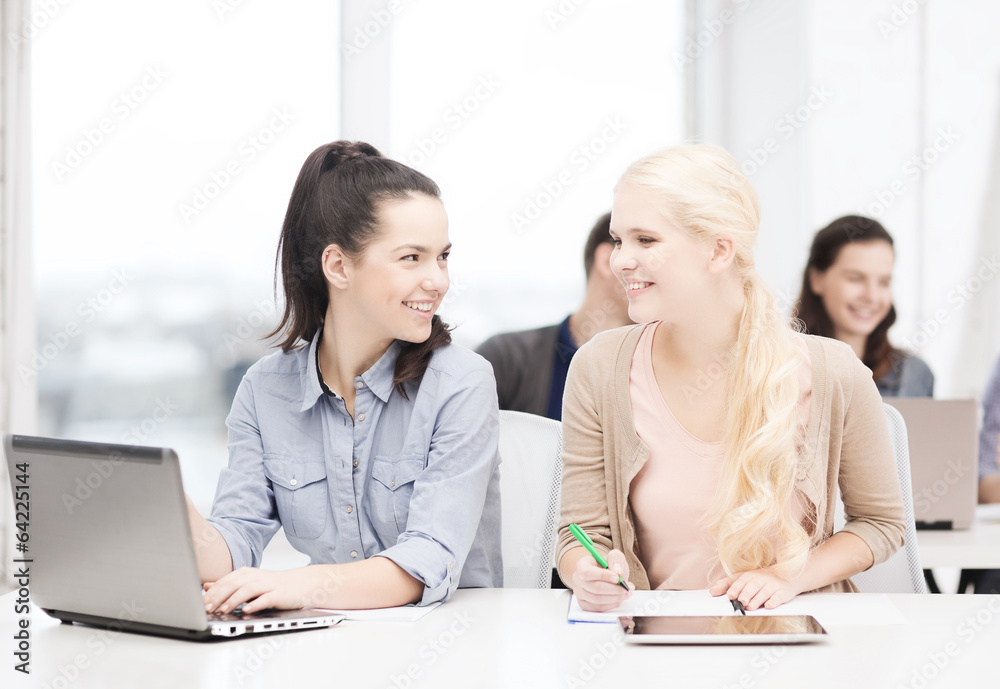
(336, 200)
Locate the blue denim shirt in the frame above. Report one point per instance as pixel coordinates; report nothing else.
(414, 480)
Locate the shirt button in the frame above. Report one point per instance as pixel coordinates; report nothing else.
(354, 553)
(451, 566)
(359, 385)
(349, 509)
(361, 417)
(355, 464)
(293, 482)
(393, 483)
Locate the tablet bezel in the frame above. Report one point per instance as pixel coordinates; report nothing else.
(698, 638)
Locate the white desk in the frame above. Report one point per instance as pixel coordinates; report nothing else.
(518, 639)
(975, 548)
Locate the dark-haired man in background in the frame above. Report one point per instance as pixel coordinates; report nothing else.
(531, 365)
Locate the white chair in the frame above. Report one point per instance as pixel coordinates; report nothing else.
(901, 573)
(530, 484)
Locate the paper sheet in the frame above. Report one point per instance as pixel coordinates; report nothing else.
(404, 613)
(988, 513)
(829, 608)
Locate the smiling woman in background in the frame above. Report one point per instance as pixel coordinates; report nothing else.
(847, 295)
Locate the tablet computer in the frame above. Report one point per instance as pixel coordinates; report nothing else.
(723, 629)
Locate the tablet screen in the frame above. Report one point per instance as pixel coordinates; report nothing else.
(723, 629)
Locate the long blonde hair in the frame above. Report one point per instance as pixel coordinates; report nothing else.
(702, 191)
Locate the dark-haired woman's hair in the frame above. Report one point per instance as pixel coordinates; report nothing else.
(879, 353)
(336, 200)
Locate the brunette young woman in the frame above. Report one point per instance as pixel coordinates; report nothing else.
(703, 447)
(847, 295)
(369, 437)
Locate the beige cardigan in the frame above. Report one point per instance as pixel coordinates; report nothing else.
(847, 442)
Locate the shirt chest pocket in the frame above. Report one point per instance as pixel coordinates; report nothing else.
(390, 491)
(300, 493)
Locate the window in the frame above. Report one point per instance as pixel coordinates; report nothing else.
(166, 140)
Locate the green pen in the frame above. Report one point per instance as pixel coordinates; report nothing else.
(589, 545)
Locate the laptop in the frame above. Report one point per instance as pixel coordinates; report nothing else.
(108, 542)
(943, 442)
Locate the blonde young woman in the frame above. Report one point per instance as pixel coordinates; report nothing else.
(704, 446)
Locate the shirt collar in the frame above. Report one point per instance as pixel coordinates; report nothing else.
(378, 378)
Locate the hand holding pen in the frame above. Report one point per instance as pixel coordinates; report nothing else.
(599, 583)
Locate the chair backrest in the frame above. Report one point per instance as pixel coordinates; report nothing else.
(530, 484)
(901, 573)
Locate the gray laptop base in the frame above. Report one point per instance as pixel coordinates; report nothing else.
(111, 544)
(219, 627)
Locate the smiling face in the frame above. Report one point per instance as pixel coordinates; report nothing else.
(857, 289)
(399, 281)
(663, 269)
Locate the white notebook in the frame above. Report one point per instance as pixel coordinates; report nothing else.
(829, 608)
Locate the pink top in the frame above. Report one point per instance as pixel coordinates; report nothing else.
(670, 494)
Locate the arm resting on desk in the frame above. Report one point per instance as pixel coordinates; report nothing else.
(210, 548)
(989, 489)
(374, 583)
(377, 582)
(840, 557)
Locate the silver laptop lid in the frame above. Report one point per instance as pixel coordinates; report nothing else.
(943, 442)
(108, 531)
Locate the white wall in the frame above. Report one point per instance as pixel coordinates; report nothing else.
(870, 85)
(525, 113)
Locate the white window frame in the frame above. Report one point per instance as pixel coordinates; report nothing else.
(18, 395)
